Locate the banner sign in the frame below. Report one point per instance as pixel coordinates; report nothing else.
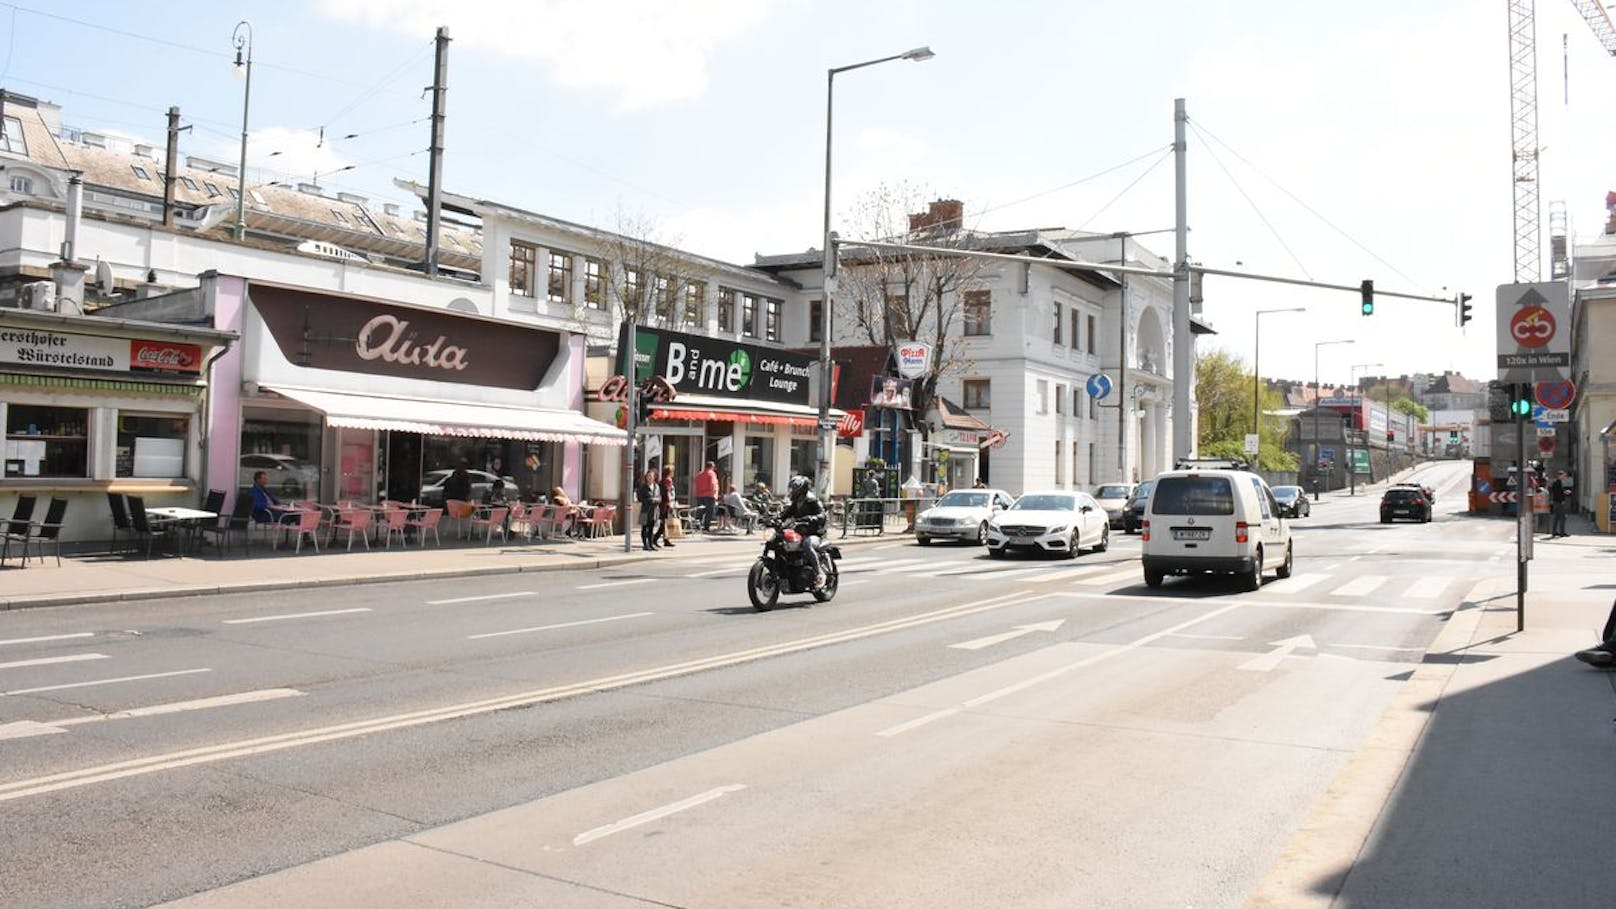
(891, 392)
(36, 347)
(720, 367)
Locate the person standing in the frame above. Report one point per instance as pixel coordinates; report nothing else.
(648, 493)
(664, 507)
(1559, 503)
(707, 495)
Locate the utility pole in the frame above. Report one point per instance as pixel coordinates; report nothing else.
(440, 88)
(1183, 340)
(625, 352)
(171, 159)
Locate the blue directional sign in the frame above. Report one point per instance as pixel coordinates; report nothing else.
(1098, 385)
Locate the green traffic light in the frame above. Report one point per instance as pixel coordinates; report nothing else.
(1367, 290)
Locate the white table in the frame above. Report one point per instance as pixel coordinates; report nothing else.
(190, 518)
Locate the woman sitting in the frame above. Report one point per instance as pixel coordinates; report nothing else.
(569, 512)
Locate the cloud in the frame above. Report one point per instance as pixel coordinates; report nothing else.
(650, 53)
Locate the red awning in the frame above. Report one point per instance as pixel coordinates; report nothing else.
(731, 416)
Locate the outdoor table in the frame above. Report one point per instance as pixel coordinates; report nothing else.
(188, 518)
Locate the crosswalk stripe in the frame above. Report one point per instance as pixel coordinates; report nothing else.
(1131, 573)
(1292, 584)
(1359, 586)
(1427, 588)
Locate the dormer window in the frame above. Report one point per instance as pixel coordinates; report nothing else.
(140, 171)
(340, 216)
(12, 139)
(212, 190)
(189, 183)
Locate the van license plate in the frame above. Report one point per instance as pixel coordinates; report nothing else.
(1192, 533)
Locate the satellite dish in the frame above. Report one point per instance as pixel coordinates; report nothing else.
(103, 275)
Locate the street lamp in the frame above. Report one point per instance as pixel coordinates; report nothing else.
(827, 430)
(1318, 397)
(1256, 372)
(242, 38)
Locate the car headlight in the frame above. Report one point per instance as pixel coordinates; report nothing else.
(1059, 528)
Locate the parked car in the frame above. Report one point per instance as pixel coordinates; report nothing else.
(961, 515)
(1113, 497)
(1214, 521)
(1408, 502)
(481, 482)
(1060, 522)
(289, 477)
(1292, 501)
(1133, 511)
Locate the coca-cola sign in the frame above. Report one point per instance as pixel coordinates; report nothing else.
(165, 356)
(351, 334)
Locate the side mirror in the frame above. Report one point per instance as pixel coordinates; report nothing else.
(1086, 509)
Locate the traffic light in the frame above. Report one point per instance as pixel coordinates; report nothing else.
(1520, 400)
(1464, 309)
(1453, 436)
(642, 407)
(1367, 289)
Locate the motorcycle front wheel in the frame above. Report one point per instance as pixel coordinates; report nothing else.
(762, 586)
(832, 577)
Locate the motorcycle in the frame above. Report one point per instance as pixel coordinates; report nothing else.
(785, 566)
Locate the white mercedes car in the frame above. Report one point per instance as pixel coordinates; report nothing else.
(961, 515)
(1058, 522)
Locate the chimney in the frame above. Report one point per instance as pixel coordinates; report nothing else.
(75, 207)
(312, 189)
(390, 209)
(355, 198)
(947, 215)
(143, 151)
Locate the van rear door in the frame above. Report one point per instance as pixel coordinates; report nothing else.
(1193, 515)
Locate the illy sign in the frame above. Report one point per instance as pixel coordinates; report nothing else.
(913, 360)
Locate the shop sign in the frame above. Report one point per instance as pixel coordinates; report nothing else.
(913, 360)
(851, 425)
(963, 438)
(349, 334)
(165, 356)
(720, 367)
(32, 347)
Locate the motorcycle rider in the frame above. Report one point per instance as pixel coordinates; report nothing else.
(804, 509)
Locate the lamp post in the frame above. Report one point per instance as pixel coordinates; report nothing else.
(242, 38)
(827, 430)
(1317, 398)
(1256, 372)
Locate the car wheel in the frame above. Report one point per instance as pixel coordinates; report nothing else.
(923, 541)
(1284, 569)
(1307, 510)
(1074, 544)
(1385, 520)
(982, 534)
(1253, 578)
(1105, 539)
(1153, 578)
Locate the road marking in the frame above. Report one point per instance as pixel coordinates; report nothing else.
(1292, 584)
(49, 637)
(1377, 647)
(49, 661)
(207, 754)
(1133, 572)
(94, 682)
(294, 615)
(612, 618)
(1211, 637)
(26, 729)
(1260, 604)
(491, 596)
(1359, 586)
(618, 583)
(1270, 661)
(1046, 676)
(1000, 638)
(647, 817)
(1427, 588)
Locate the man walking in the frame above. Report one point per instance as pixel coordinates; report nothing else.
(707, 495)
(1559, 503)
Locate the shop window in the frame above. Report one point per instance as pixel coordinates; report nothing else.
(804, 457)
(47, 441)
(286, 446)
(151, 445)
(758, 465)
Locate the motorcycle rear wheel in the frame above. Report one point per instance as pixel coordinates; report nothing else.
(762, 587)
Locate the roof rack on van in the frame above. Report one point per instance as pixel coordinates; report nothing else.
(1212, 464)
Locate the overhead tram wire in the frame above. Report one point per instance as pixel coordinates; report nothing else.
(1255, 210)
(1125, 190)
(1161, 152)
(1298, 200)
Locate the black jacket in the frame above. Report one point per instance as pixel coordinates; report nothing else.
(808, 514)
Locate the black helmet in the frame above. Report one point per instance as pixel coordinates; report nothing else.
(798, 487)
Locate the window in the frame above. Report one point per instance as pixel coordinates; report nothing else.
(47, 441)
(1073, 339)
(1043, 396)
(749, 306)
(1060, 462)
(976, 393)
(189, 183)
(235, 194)
(21, 184)
(1060, 399)
(1090, 348)
(1077, 401)
(594, 284)
(1060, 319)
(1075, 462)
(771, 319)
(140, 172)
(341, 218)
(726, 309)
(816, 317)
(695, 298)
(524, 267)
(12, 139)
(631, 292)
(978, 312)
(663, 289)
(152, 445)
(212, 190)
(560, 286)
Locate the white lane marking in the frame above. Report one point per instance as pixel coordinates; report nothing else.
(94, 682)
(1270, 661)
(49, 661)
(1260, 604)
(1427, 588)
(646, 817)
(611, 618)
(294, 615)
(1292, 584)
(1018, 631)
(1212, 637)
(1132, 572)
(717, 571)
(618, 583)
(1377, 647)
(208, 754)
(1359, 586)
(27, 729)
(999, 574)
(1051, 674)
(49, 637)
(491, 596)
(1330, 567)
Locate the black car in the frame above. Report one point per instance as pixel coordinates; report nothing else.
(1407, 502)
(1133, 511)
(1292, 501)
(1430, 494)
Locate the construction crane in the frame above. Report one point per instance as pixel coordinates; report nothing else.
(1523, 119)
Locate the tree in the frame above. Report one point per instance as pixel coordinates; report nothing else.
(1223, 394)
(641, 274)
(1412, 408)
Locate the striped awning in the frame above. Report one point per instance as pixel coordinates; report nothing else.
(454, 418)
(76, 383)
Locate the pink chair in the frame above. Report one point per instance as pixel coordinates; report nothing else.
(352, 521)
(522, 518)
(547, 521)
(458, 510)
(492, 521)
(428, 520)
(302, 523)
(600, 521)
(393, 523)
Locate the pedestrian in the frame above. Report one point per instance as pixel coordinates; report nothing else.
(707, 495)
(1559, 503)
(1604, 655)
(457, 488)
(980, 484)
(664, 508)
(648, 493)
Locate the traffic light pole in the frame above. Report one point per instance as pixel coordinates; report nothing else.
(1523, 519)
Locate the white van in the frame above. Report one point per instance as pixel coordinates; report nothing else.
(1209, 520)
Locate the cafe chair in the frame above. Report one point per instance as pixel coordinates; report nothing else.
(427, 519)
(303, 523)
(237, 523)
(600, 521)
(16, 530)
(145, 529)
(48, 530)
(352, 521)
(394, 521)
(492, 521)
(458, 510)
(120, 518)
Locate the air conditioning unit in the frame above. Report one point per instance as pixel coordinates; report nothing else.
(39, 295)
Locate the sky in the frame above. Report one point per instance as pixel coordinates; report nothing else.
(1327, 142)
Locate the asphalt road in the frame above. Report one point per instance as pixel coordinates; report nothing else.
(949, 731)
